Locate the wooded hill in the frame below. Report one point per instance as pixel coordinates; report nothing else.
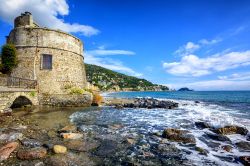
(108, 80)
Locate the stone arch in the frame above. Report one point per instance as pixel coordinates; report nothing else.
(21, 101)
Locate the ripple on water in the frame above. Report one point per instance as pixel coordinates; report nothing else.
(139, 124)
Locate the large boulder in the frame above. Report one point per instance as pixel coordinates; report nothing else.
(231, 130)
(178, 135)
(202, 125)
(31, 154)
(242, 145)
(245, 160)
(7, 149)
(217, 137)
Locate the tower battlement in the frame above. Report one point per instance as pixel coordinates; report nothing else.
(25, 20)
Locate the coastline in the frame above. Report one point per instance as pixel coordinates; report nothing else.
(93, 133)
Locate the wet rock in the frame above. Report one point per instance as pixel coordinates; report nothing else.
(148, 154)
(131, 141)
(242, 145)
(227, 148)
(68, 129)
(48, 145)
(39, 164)
(118, 106)
(59, 149)
(245, 160)
(106, 148)
(217, 137)
(69, 159)
(231, 130)
(248, 138)
(209, 143)
(159, 134)
(7, 149)
(33, 153)
(52, 134)
(150, 103)
(77, 145)
(115, 126)
(31, 143)
(202, 125)
(11, 137)
(168, 149)
(228, 158)
(71, 135)
(178, 135)
(82, 145)
(19, 127)
(201, 151)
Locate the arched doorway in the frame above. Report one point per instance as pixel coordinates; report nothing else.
(20, 101)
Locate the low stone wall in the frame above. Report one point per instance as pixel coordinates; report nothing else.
(66, 100)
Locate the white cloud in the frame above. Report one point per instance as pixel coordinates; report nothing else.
(192, 65)
(191, 47)
(110, 52)
(92, 57)
(188, 48)
(209, 42)
(236, 77)
(45, 13)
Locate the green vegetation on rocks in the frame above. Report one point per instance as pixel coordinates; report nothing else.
(108, 80)
(9, 58)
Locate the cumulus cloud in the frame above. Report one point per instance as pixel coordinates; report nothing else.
(45, 13)
(192, 65)
(188, 48)
(236, 77)
(191, 47)
(93, 57)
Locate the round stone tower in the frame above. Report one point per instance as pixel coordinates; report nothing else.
(52, 57)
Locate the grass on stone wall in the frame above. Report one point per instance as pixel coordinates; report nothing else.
(76, 91)
(32, 94)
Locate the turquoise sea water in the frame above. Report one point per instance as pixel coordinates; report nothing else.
(239, 100)
(218, 108)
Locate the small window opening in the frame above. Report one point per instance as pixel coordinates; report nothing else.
(46, 62)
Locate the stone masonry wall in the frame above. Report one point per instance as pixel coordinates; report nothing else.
(67, 58)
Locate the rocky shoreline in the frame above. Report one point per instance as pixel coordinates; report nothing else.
(38, 138)
(148, 103)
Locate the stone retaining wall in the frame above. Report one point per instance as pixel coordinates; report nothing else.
(66, 100)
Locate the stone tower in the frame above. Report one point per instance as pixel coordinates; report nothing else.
(52, 57)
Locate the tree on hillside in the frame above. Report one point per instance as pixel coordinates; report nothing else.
(9, 58)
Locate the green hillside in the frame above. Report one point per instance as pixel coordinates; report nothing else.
(108, 80)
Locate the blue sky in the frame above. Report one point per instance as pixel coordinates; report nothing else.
(204, 45)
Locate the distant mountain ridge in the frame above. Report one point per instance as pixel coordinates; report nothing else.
(108, 80)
